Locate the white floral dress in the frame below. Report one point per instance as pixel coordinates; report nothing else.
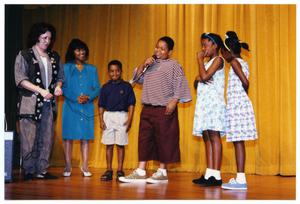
(240, 120)
(210, 105)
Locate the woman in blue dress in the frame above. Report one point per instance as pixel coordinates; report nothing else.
(80, 88)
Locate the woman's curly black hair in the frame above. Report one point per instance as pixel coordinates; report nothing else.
(38, 29)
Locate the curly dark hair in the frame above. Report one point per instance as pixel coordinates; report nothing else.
(73, 45)
(38, 29)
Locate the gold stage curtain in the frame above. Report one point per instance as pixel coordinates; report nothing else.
(129, 33)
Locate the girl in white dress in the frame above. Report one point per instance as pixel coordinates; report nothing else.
(209, 118)
(240, 120)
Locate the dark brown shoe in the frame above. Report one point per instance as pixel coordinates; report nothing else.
(120, 174)
(46, 176)
(107, 176)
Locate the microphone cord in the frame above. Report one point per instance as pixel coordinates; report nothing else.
(85, 116)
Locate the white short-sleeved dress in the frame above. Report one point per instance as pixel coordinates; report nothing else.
(210, 105)
(240, 120)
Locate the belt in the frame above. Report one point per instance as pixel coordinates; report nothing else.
(153, 106)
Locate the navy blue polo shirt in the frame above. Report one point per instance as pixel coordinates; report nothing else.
(116, 96)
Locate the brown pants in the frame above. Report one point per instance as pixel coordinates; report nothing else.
(159, 135)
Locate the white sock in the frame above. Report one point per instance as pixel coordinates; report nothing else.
(216, 174)
(208, 173)
(141, 172)
(163, 171)
(241, 178)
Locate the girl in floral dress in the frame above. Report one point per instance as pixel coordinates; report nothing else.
(240, 120)
(209, 118)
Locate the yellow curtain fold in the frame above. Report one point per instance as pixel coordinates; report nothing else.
(129, 33)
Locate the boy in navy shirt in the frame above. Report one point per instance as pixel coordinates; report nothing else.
(116, 106)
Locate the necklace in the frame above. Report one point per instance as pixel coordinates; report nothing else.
(79, 66)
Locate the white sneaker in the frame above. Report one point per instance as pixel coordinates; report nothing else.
(157, 177)
(134, 177)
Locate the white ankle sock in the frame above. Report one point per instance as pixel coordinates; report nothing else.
(141, 172)
(208, 173)
(216, 174)
(241, 178)
(163, 171)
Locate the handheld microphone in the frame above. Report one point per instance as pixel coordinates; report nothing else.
(134, 79)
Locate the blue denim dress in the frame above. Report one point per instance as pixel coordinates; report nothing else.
(78, 119)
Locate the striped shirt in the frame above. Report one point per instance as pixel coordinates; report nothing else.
(163, 81)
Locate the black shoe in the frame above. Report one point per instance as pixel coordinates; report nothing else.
(107, 176)
(200, 181)
(120, 174)
(46, 176)
(28, 177)
(212, 181)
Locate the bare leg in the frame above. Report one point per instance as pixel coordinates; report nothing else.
(85, 154)
(240, 156)
(68, 146)
(208, 150)
(109, 156)
(163, 166)
(121, 155)
(142, 165)
(216, 148)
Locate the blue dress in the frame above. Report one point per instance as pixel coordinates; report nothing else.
(78, 119)
(210, 105)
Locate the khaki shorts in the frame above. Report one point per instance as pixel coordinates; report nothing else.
(115, 132)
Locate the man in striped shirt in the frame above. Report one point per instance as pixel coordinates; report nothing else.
(164, 85)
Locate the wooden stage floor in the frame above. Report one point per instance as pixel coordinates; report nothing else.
(179, 187)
